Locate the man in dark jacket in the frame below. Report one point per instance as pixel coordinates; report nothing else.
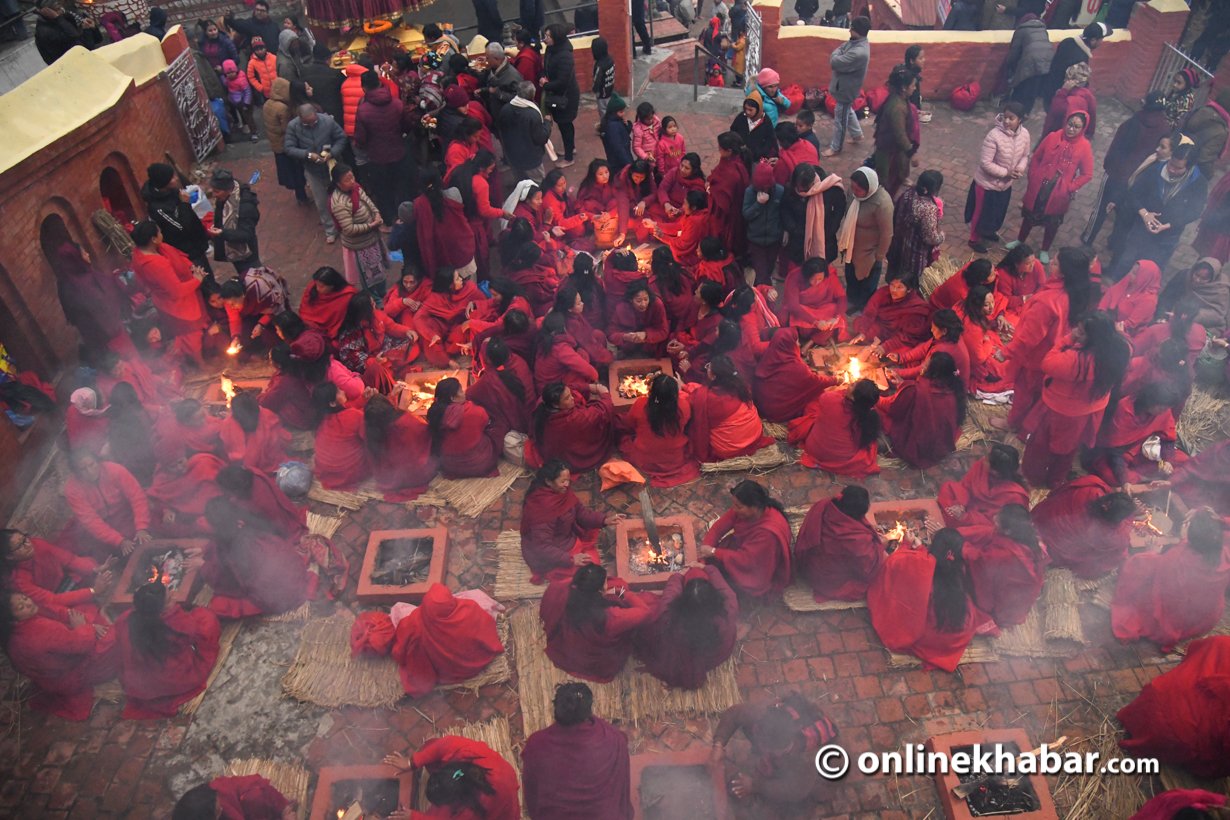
(168, 206)
(260, 24)
(56, 32)
(235, 217)
(1167, 198)
(498, 84)
(1135, 140)
(378, 129)
(326, 81)
(313, 138)
(524, 134)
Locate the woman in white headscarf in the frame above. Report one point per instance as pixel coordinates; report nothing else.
(86, 422)
(864, 236)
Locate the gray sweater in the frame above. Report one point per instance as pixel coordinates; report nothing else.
(849, 63)
(325, 135)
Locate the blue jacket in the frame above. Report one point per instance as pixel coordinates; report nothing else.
(772, 106)
(617, 139)
(764, 222)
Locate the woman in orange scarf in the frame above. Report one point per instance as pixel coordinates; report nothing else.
(444, 640)
(725, 423)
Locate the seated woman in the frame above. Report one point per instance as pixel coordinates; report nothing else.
(462, 439)
(1119, 457)
(487, 320)
(528, 199)
(1006, 566)
(289, 391)
(675, 286)
(129, 428)
(575, 428)
(252, 568)
(1205, 285)
(978, 273)
(988, 358)
(373, 345)
(256, 495)
(560, 209)
(407, 296)
(560, 358)
(341, 458)
(558, 533)
(656, 440)
(325, 301)
(692, 348)
(946, 329)
(814, 302)
(619, 270)
(444, 640)
(182, 486)
(674, 188)
(438, 322)
(63, 659)
(1086, 526)
(717, 264)
(895, 314)
(837, 551)
(152, 390)
(534, 274)
(110, 510)
(466, 779)
(784, 385)
(591, 623)
(245, 796)
(166, 653)
(592, 290)
(989, 485)
(1176, 594)
(750, 543)
(839, 431)
(923, 420)
(639, 327)
(684, 235)
(190, 426)
(920, 602)
(596, 196)
(85, 421)
(505, 389)
(253, 436)
(636, 191)
(1018, 276)
(398, 449)
(692, 631)
(725, 423)
(1132, 301)
(54, 578)
(590, 342)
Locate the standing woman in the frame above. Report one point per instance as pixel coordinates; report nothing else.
(839, 433)
(750, 543)
(865, 236)
(445, 238)
(528, 59)
(562, 94)
(473, 180)
(1001, 162)
(756, 130)
(727, 182)
(639, 326)
(917, 235)
(462, 438)
(893, 143)
(359, 221)
(1059, 168)
(656, 441)
(923, 421)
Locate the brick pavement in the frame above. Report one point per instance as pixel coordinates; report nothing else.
(109, 768)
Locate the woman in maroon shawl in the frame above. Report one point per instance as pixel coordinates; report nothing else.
(406, 297)
(675, 286)
(462, 438)
(591, 343)
(1176, 594)
(166, 653)
(750, 543)
(257, 496)
(692, 347)
(839, 431)
(591, 622)
(1018, 276)
(444, 640)
(445, 238)
(989, 485)
(1205, 479)
(572, 427)
(596, 195)
(1180, 717)
(1119, 457)
(399, 450)
(674, 189)
(923, 420)
(620, 269)
(289, 393)
(505, 389)
(1189, 803)
(896, 315)
(325, 301)
(1086, 526)
(529, 270)
(639, 327)
(656, 440)
(636, 191)
(253, 435)
(439, 322)
(190, 427)
(233, 797)
(253, 570)
(1132, 300)
(784, 384)
(837, 551)
(465, 779)
(693, 628)
(558, 533)
(946, 330)
(725, 423)
(561, 358)
(814, 302)
(93, 302)
(1006, 565)
(487, 320)
(182, 486)
(727, 182)
(577, 766)
(952, 292)
(340, 457)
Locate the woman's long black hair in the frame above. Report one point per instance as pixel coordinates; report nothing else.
(551, 395)
(246, 410)
(667, 272)
(327, 276)
(1005, 464)
(732, 142)
(591, 173)
(587, 605)
(496, 356)
(585, 280)
(553, 325)
(722, 375)
(753, 494)
(379, 415)
(459, 785)
(640, 166)
(463, 179)
(446, 390)
(942, 369)
(949, 598)
(149, 633)
(693, 158)
(1012, 260)
(863, 398)
(1111, 352)
(696, 615)
(948, 321)
(433, 188)
(975, 306)
(1014, 521)
(662, 408)
(549, 471)
(1074, 268)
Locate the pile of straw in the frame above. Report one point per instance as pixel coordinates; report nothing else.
(795, 516)
(774, 430)
(764, 459)
(937, 274)
(345, 500)
(891, 463)
(512, 576)
(1205, 420)
(322, 525)
(113, 232)
(324, 673)
(1095, 797)
(1061, 618)
(226, 642)
(799, 598)
(1100, 592)
(297, 615)
(1173, 777)
(302, 442)
(470, 496)
(980, 650)
(648, 698)
(290, 780)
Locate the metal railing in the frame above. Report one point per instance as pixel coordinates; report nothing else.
(1172, 62)
(754, 27)
(698, 64)
(561, 10)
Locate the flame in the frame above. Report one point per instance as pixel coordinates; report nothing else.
(234, 349)
(897, 533)
(635, 385)
(854, 369)
(228, 389)
(1146, 525)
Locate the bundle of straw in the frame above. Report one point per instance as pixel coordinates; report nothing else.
(1061, 618)
(937, 274)
(764, 459)
(113, 232)
(1205, 420)
(799, 598)
(1095, 797)
(891, 463)
(470, 496)
(287, 778)
(226, 642)
(980, 650)
(774, 430)
(648, 699)
(795, 516)
(322, 525)
(512, 575)
(323, 671)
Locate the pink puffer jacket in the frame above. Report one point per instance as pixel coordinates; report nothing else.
(1002, 153)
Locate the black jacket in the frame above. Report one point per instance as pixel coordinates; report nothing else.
(53, 38)
(326, 86)
(179, 223)
(561, 85)
(794, 220)
(524, 134)
(250, 27)
(245, 225)
(761, 141)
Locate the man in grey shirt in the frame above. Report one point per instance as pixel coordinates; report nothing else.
(313, 139)
(849, 63)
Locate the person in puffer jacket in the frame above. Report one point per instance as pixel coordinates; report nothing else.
(277, 115)
(1003, 160)
(379, 126)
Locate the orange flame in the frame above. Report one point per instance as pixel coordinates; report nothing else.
(854, 369)
(234, 349)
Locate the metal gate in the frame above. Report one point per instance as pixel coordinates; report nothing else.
(1173, 61)
(754, 28)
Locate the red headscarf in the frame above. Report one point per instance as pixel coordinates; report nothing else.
(1133, 299)
(446, 640)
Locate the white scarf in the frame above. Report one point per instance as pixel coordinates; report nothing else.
(517, 196)
(849, 224)
(521, 102)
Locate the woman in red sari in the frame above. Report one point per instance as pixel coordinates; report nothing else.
(674, 188)
(1086, 526)
(1119, 457)
(840, 429)
(1018, 276)
(253, 435)
(1176, 594)
(591, 345)
(923, 420)
(784, 385)
(340, 458)
(577, 429)
(637, 192)
(684, 236)
(693, 347)
(814, 302)
(727, 182)
(166, 653)
(505, 389)
(462, 438)
(1006, 565)
(639, 327)
(596, 195)
(289, 391)
(920, 602)
(656, 441)
(182, 486)
(234, 797)
(558, 533)
(989, 372)
(946, 330)
(1081, 373)
(465, 779)
(693, 628)
(989, 485)
(473, 180)
(1132, 301)
(325, 300)
(253, 570)
(407, 296)
(979, 273)
(895, 315)
(591, 623)
(487, 320)
(561, 209)
(257, 496)
(439, 322)
(675, 286)
(399, 450)
(445, 238)
(725, 423)
(444, 640)
(529, 207)
(837, 552)
(750, 543)
(560, 357)
(619, 270)
(527, 268)
(54, 578)
(174, 285)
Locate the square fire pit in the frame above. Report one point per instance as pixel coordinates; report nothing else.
(835, 362)
(158, 560)
(416, 392)
(912, 515)
(669, 785)
(378, 788)
(401, 565)
(1029, 800)
(223, 390)
(678, 536)
(627, 379)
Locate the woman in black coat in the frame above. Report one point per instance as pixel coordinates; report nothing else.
(562, 94)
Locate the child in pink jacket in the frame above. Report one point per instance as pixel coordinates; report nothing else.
(671, 147)
(645, 133)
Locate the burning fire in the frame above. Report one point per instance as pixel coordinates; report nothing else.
(635, 385)
(416, 397)
(853, 370)
(353, 812)
(228, 389)
(234, 349)
(897, 533)
(646, 560)
(1146, 526)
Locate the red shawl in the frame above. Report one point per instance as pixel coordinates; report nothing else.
(1180, 717)
(504, 409)
(271, 505)
(40, 577)
(662, 646)
(591, 342)
(918, 354)
(1015, 288)
(187, 494)
(264, 449)
(1133, 299)
(921, 422)
(681, 306)
(598, 783)
(559, 208)
(204, 438)
(629, 197)
(652, 322)
(951, 293)
(898, 324)
(803, 306)
(753, 554)
(325, 311)
(1167, 805)
(982, 496)
(581, 437)
(155, 689)
(403, 466)
(396, 308)
(802, 152)
(442, 311)
(837, 555)
(784, 384)
(248, 797)
(63, 663)
(597, 199)
(565, 362)
(724, 271)
(727, 182)
(1005, 576)
(85, 432)
(614, 285)
(487, 320)
(540, 282)
(981, 343)
(1073, 538)
(1170, 596)
(341, 460)
(260, 573)
(829, 439)
(722, 425)
(447, 242)
(684, 236)
(666, 459)
(291, 398)
(595, 651)
(467, 449)
(502, 804)
(445, 640)
(674, 188)
(1068, 161)
(551, 524)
